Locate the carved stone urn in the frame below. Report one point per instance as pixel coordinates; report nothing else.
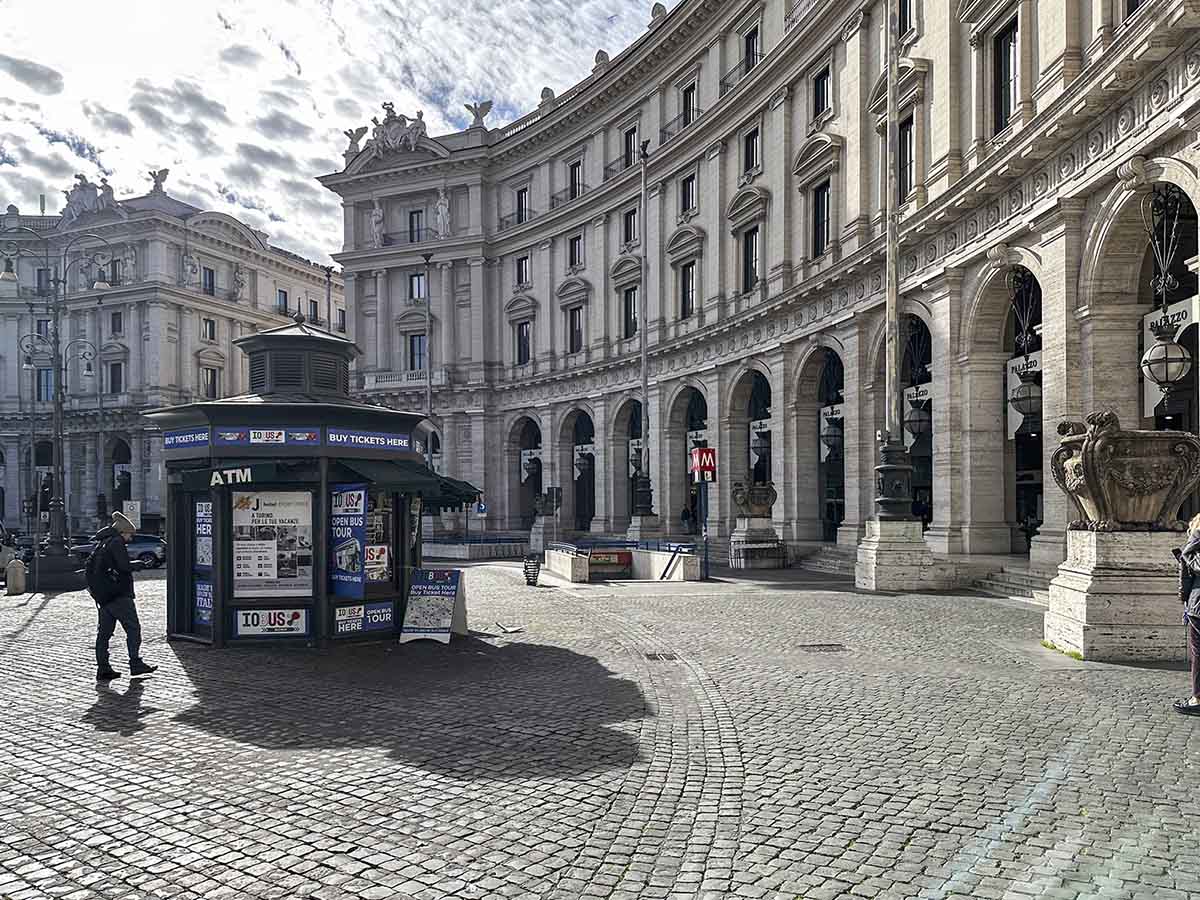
(753, 501)
(1125, 480)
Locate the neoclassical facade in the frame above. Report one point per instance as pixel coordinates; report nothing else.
(184, 283)
(1031, 134)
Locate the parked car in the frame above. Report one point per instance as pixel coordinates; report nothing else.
(148, 549)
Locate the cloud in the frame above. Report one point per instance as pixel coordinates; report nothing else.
(241, 55)
(281, 125)
(82, 148)
(244, 173)
(42, 79)
(261, 156)
(344, 106)
(107, 119)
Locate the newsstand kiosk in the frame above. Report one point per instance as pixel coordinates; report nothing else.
(294, 511)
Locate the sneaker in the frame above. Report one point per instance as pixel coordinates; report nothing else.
(141, 667)
(108, 673)
(1183, 707)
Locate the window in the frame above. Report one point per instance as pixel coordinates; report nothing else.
(629, 226)
(522, 205)
(416, 286)
(575, 180)
(904, 22)
(43, 282)
(43, 328)
(281, 301)
(574, 329)
(749, 259)
(314, 311)
(629, 147)
(750, 160)
(114, 272)
(208, 329)
(416, 352)
(208, 281)
(687, 193)
(416, 225)
(751, 46)
(523, 270)
(630, 311)
(115, 323)
(688, 101)
(821, 92)
(687, 289)
(904, 161)
(575, 251)
(1132, 6)
(524, 332)
(1004, 74)
(116, 378)
(820, 219)
(341, 319)
(45, 385)
(210, 382)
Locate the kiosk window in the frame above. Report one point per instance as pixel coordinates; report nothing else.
(380, 567)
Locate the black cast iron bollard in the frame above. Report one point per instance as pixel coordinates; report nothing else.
(533, 568)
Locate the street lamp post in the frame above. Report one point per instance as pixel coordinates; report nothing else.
(644, 490)
(57, 562)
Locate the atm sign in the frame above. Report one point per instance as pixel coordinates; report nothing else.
(704, 464)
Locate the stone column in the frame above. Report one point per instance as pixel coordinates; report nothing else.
(14, 488)
(655, 301)
(449, 327)
(137, 478)
(478, 333)
(778, 128)
(603, 484)
(368, 308)
(155, 481)
(945, 533)
(983, 438)
(385, 324)
(545, 349)
(88, 506)
(713, 282)
(71, 506)
(1109, 328)
(858, 437)
(600, 333)
(1061, 364)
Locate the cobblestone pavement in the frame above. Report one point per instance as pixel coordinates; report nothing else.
(633, 740)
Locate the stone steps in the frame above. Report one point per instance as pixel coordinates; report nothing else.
(831, 560)
(1015, 583)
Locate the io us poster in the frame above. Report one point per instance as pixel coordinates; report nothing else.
(272, 544)
(347, 536)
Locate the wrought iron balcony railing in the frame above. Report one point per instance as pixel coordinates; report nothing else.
(622, 164)
(798, 12)
(740, 70)
(677, 124)
(567, 195)
(514, 219)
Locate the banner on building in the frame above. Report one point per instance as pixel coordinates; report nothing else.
(436, 608)
(1013, 369)
(347, 538)
(917, 395)
(829, 416)
(272, 544)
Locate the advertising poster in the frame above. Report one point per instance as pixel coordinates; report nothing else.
(435, 606)
(270, 622)
(377, 563)
(204, 537)
(185, 439)
(272, 544)
(203, 613)
(347, 536)
(363, 618)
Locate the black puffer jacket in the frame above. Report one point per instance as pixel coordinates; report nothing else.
(116, 557)
(1189, 574)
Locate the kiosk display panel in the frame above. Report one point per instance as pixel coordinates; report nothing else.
(272, 544)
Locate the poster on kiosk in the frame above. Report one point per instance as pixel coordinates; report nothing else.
(347, 536)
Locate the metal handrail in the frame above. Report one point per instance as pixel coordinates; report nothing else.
(617, 166)
(685, 119)
(740, 70)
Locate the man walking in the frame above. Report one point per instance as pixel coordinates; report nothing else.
(110, 582)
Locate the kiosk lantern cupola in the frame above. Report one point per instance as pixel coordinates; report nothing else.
(297, 359)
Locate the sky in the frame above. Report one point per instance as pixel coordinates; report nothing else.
(246, 102)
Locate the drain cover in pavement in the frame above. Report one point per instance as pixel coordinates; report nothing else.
(661, 656)
(824, 648)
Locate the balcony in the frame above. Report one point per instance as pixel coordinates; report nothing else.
(400, 381)
(514, 219)
(740, 70)
(616, 167)
(798, 12)
(683, 120)
(567, 195)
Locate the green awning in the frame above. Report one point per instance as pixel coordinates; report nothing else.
(414, 478)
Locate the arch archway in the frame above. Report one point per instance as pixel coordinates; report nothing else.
(687, 428)
(524, 452)
(917, 407)
(626, 438)
(121, 473)
(577, 443)
(818, 417)
(750, 427)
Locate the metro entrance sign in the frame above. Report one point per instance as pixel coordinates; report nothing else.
(704, 464)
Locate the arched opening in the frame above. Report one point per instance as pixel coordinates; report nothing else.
(916, 381)
(437, 461)
(1024, 488)
(528, 476)
(831, 470)
(759, 437)
(687, 428)
(578, 442)
(627, 460)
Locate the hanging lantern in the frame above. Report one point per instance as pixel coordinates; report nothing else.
(918, 421)
(760, 444)
(834, 435)
(1166, 362)
(1027, 398)
(584, 462)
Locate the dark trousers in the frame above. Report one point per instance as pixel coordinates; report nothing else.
(1193, 629)
(124, 611)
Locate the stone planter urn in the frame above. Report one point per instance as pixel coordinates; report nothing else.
(1115, 598)
(1125, 480)
(753, 501)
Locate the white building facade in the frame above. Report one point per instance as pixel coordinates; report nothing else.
(1031, 134)
(183, 284)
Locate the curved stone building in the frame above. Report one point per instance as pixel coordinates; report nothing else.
(1031, 135)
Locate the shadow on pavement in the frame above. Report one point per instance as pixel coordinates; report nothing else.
(117, 711)
(471, 710)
